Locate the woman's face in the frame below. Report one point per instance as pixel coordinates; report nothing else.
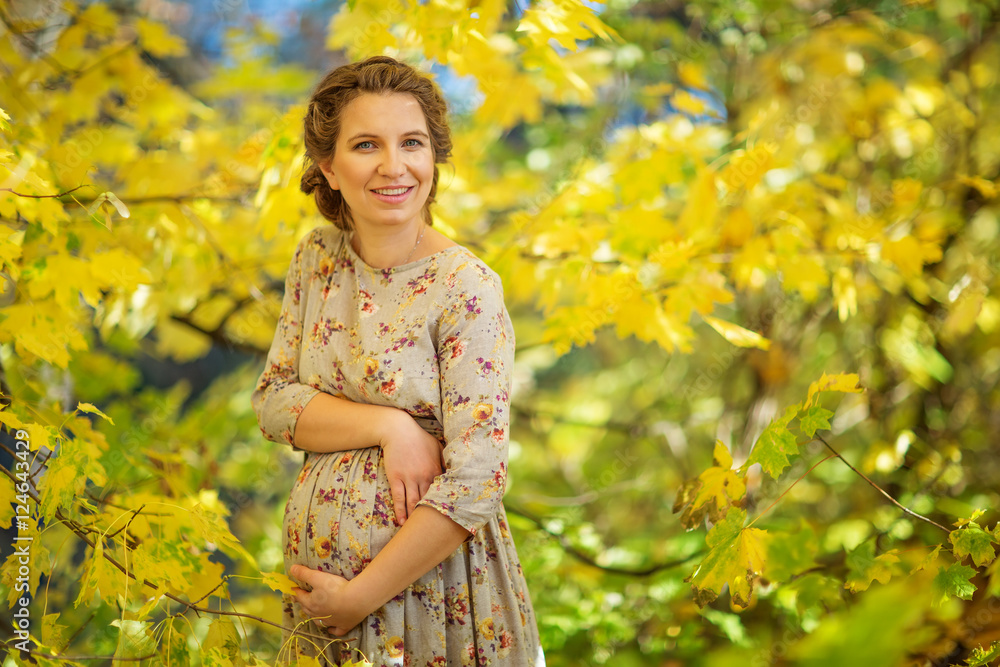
(383, 164)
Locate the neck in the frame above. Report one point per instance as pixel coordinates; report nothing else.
(384, 249)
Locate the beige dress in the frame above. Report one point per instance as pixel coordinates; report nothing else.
(431, 337)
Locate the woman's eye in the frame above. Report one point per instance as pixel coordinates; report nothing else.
(410, 143)
(364, 145)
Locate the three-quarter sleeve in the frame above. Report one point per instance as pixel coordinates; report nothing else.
(280, 397)
(475, 358)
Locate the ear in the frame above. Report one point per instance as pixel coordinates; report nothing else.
(331, 178)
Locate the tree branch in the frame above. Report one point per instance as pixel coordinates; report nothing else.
(880, 489)
(61, 194)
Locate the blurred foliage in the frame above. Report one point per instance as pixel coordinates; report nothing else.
(712, 220)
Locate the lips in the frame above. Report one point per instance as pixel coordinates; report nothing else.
(393, 195)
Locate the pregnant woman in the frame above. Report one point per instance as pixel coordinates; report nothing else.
(391, 368)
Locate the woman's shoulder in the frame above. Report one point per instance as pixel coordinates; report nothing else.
(325, 239)
(460, 263)
(319, 246)
(466, 279)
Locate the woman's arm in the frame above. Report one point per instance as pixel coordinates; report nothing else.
(412, 456)
(426, 540)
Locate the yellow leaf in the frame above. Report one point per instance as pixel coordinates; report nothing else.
(684, 101)
(279, 581)
(719, 486)
(566, 22)
(987, 189)
(88, 407)
(842, 382)
(736, 334)
(52, 632)
(804, 273)
(693, 74)
(7, 498)
(905, 254)
(363, 28)
(963, 314)
(845, 293)
(738, 227)
(157, 40)
(701, 205)
(906, 191)
(101, 576)
(38, 564)
(747, 167)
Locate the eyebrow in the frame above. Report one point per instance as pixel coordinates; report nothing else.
(369, 135)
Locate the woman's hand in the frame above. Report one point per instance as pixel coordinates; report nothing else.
(329, 603)
(412, 459)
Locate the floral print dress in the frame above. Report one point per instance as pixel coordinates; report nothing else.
(431, 337)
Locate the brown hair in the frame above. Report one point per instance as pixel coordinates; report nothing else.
(380, 75)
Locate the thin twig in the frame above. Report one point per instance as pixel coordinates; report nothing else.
(880, 489)
(61, 194)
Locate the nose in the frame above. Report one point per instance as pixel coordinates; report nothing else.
(392, 165)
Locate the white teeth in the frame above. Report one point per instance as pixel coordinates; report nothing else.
(392, 191)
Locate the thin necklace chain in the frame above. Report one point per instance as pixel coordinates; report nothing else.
(423, 228)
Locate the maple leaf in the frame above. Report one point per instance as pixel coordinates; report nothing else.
(972, 540)
(843, 382)
(954, 580)
(279, 581)
(981, 657)
(865, 567)
(775, 445)
(814, 419)
(736, 557)
(712, 492)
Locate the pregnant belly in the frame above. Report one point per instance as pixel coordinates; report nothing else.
(339, 512)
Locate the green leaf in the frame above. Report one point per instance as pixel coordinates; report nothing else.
(865, 567)
(731, 625)
(971, 540)
(789, 554)
(954, 580)
(736, 557)
(775, 445)
(813, 419)
(981, 657)
(223, 637)
(134, 639)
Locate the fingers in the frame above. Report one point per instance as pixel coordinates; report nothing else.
(302, 573)
(398, 491)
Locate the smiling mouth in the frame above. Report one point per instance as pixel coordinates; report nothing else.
(390, 192)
